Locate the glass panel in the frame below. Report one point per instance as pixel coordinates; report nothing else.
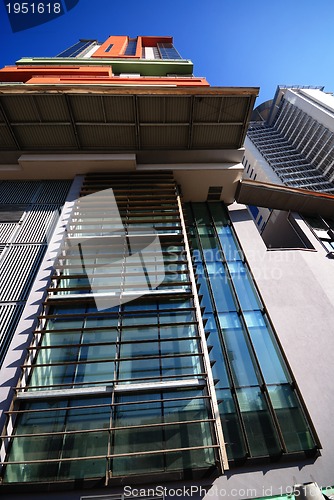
(132, 440)
(191, 459)
(139, 368)
(219, 368)
(140, 333)
(238, 350)
(49, 376)
(203, 289)
(201, 214)
(222, 292)
(246, 292)
(188, 365)
(97, 336)
(33, 448)
(101, 321)
(186, 436)
(61, 338)
(139, 349)
(267, 351)
(86, 444)
(55, 355)
(295, 430)
(229, 244)
(176, 316)
(210, 248)
(179, 347)
(139, 319)
(131, 48)
(184, 410)
(36, 447)
(235, 445)
(178, 331)
(261, 434)
(63, 323)
(95, 372)
(219, 213)
(176, 303)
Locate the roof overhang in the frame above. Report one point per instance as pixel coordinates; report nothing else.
(280, 197)
(98, 118)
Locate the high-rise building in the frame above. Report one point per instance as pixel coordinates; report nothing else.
(156, 347)
(290, 141)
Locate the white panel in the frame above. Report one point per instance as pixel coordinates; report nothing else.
(149, 53)
(91, 51)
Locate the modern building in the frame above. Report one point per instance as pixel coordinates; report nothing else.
(156, 346)
(290, 141)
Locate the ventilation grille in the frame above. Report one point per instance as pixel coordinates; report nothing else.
(38, 224)
(6, 231)
(53, 192)
(214, 193)
(9, 317)
(29, 211)
(11, 213)
(18, 191)
(18, 269)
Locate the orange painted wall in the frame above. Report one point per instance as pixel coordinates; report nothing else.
(115, 80)
(119, 46)
(151, 41)
(25, 73)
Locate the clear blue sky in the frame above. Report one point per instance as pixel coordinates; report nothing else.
(259, 43)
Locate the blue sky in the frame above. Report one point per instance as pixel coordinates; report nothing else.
(259, 43)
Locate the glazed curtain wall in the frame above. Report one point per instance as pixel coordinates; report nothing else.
(260, 410)
(121, 390)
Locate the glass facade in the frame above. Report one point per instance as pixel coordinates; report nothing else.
(118, 390)
(78, 49)
(124, 388)
(168, 51)
(260, 410)
(131, 48)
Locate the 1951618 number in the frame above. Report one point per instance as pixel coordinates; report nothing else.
(33, 8)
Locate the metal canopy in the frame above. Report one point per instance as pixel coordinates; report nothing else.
(45, 118)
(280, 197)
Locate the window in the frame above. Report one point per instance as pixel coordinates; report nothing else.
(323, 228)
(110, 46)
(131, 48)
(77, 50)
(168, 51)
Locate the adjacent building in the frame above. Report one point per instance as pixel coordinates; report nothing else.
(290, 141)
(157, 346)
